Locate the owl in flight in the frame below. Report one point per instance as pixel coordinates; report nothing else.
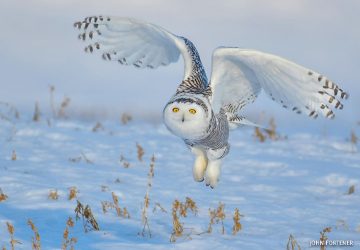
(201, 112)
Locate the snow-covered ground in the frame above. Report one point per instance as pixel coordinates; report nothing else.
(293, 186)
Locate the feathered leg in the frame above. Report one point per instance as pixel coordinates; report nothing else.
(213, 169)
(200, 164)
(213, 173)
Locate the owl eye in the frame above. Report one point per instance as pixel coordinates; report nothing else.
(192, 111)
(175, 110)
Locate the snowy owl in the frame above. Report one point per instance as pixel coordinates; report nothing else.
(201, 112)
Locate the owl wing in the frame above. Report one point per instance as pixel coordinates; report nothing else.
(133, 42)
(238, 75)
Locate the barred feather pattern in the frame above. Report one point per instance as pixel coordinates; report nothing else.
(197, 82)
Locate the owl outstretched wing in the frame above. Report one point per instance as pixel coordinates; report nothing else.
(238, 75)
(133, 42)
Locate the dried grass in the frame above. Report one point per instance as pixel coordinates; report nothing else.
(351, 190)
(217, 215)
(180, 209)
(63, 106)
(80, 158)
(237, 225)
(13, 155)
(107, 205)
(144, 214)
(68, 242)
(35, 240)
(104, 188)
(3, 197)
(259, 135)
(53, 195)
(98, 126)
(158, 206)
(88, 219)
(178, 227)
(124, 162)
(323, 237)
(140, 152)
(354, 140)
(37, 113)
(52, 103)
(292, 244)
(72, 193)
(342, 224)
(58, 112)
(270, 133)
(8, 112)
(11, 230)
(125, 118)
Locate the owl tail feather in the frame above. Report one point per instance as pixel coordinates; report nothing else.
(236, 121)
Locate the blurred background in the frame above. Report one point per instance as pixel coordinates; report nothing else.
(39, 48)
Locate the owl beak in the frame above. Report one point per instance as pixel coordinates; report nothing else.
(183, 118)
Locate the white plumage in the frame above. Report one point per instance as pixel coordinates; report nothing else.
(201, 113)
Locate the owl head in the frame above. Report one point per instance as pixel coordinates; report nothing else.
(188, 116)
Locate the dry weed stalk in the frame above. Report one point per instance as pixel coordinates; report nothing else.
(124, 162)
(237, 225)
(75, 159)
(104, 188)
(81, 157)
(11, 231)
(87, 160)
(354, 140)
(323, 237)
(121, 212)
(60, 112)
(72, 193)
(292, 244)
(180, 209)
(351, 190)
(37, 114)
(125, 118)
(53, 195)
(190, 204)
(259, 135)
(88, 219)
(10, 110)
(64, 104)
(217, 215)
(126, 213)
(3, 196)
(178, 227)
(342, 224)
(52, 104)
(98, 126)
(271, 132)
(13, 155)
(68, 241)
(158, 205)
(144, 216)
(36, 245)
(116, 204)
(106, 205)
(140, 152)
